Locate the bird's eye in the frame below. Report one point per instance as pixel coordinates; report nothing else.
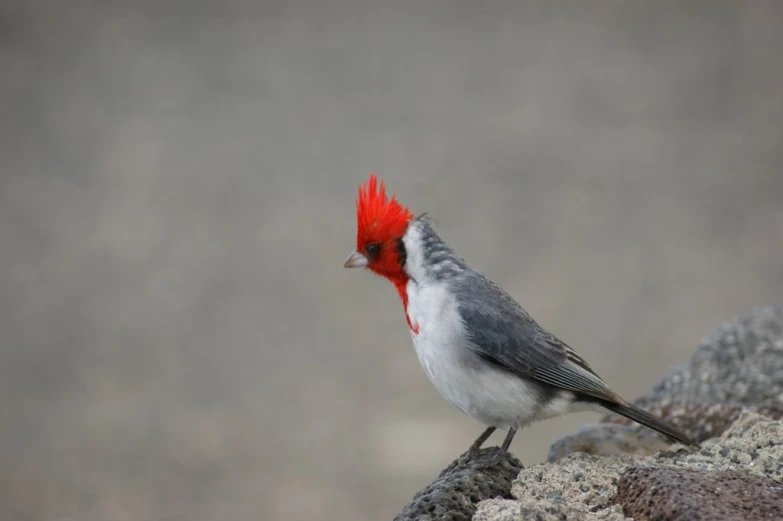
(373, 250)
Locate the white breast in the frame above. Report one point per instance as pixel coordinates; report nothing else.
(490, 396)
(436, 323)
(471, 384)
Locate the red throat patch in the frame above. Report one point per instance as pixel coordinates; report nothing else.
(401, 289)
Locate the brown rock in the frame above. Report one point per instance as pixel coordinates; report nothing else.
(673, 494)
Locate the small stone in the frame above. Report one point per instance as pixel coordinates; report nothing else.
(498, 510)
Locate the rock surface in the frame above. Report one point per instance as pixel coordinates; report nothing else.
(695, 495)
(740, 363)
(455, 493)
(585, 487)
(735, 371)
(607, 440)
(738, 367)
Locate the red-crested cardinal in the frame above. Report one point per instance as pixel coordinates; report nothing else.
(483, 353)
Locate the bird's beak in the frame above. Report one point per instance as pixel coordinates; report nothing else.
(355, 260)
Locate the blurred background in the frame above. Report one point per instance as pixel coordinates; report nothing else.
(180, 340)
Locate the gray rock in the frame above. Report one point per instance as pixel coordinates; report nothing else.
(753, 443)
(607, 440)
(581, 486)
(509, 510)
(618, 435)
(499, 510)
(456, 492)
(741, 363)
(736, 368)
(701, 421)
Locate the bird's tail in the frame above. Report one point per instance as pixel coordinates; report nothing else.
(648, 420)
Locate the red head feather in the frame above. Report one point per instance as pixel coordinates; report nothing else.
(381, 221)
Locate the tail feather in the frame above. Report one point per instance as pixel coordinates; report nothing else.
(648, 420)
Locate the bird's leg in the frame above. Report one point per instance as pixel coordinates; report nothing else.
(506, 443)
(500, 454)
(475, 447)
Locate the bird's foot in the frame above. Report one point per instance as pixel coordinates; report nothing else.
(473, 451)
(488, 460)
(475, 448)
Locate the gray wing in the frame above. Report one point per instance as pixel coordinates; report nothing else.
(503, 333)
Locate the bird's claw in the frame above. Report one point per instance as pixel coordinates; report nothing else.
(487, 461)
(472, 452)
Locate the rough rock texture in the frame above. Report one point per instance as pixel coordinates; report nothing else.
(497, 509)
(700, 420)
(580, 486)
(740, 363)
(510, 510)
(607, 440)
(618, 435)
(454, 494)
(585, 487)
(738, 367)
(695, 495)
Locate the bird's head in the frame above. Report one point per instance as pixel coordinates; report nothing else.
(381, 224)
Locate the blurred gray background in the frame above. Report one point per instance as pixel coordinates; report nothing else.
(180, 340)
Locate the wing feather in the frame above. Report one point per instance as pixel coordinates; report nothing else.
(503, 333)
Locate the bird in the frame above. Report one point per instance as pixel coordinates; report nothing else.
(479, 348)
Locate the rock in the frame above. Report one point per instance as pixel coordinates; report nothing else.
(455, 493)
(676, 494)
(498, 509)
(508, 510)
(608, 440)
(738, 367)
(741, 363)
(618, 435)
(581, 486)
(753, 442)
(701, 421)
